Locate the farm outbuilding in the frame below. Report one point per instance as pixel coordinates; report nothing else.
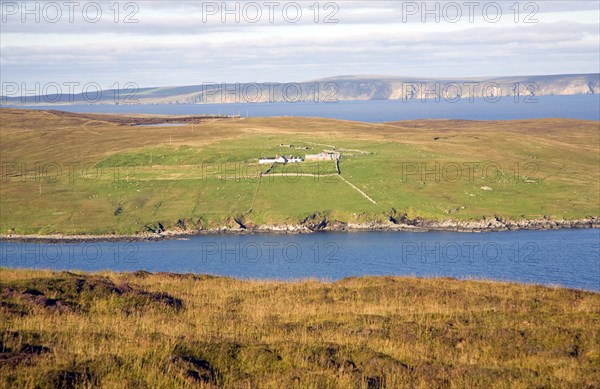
(322, 157)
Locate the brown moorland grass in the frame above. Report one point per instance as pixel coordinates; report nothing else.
(136, 330)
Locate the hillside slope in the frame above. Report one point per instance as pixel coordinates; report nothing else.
(143, 330)
(70, 173)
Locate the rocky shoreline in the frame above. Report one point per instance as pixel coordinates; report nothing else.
(418, 225)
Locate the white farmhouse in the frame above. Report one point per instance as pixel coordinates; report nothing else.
(271, 160)
(282, 159)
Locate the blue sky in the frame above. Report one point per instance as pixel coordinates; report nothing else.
(182, 43)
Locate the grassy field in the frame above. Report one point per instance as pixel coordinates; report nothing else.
(94, 174)
(143, 330)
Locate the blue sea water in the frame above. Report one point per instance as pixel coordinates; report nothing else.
(569, 258)
(586, 107)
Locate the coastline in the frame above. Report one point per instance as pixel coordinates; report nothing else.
(483, 226)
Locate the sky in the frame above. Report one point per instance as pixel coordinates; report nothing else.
(169, 43)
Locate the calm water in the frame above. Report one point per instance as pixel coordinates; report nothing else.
(566, 257)
(577, 107)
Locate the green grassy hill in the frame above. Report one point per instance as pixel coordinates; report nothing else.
(96, 174)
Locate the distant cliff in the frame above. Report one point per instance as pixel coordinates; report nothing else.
(323, 90)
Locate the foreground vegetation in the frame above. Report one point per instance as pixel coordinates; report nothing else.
(98, 174)
(164, 330)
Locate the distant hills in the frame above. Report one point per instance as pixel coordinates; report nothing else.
(322, 90)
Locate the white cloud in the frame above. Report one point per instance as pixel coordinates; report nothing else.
(170, 45)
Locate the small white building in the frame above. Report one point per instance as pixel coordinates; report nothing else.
(271, 160)
(282, 159)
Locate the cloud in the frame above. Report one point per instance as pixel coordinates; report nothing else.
(171, 46)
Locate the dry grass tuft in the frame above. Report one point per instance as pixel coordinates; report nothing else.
(162, 330)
